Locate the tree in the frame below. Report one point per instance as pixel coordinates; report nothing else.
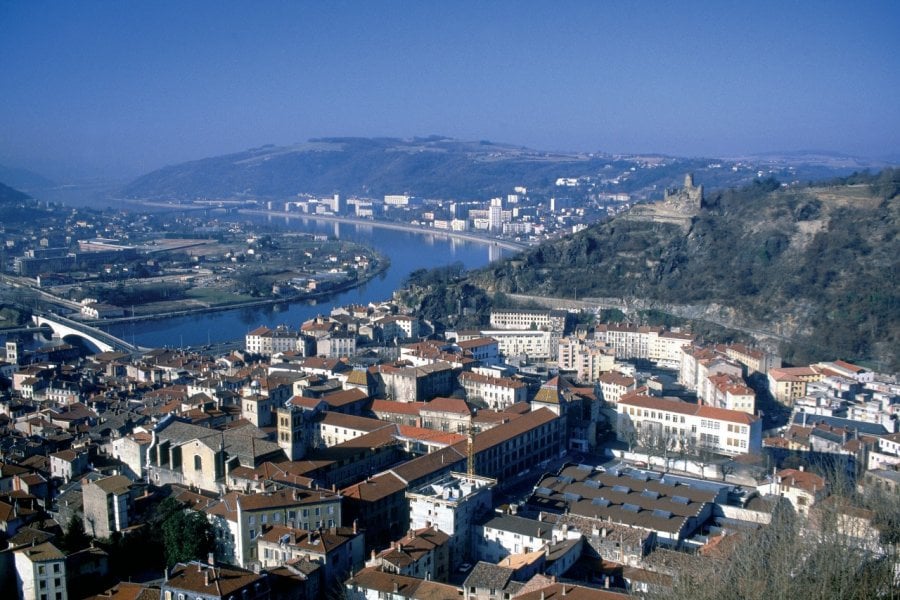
(829, 555)
(75, 537)
(659, 442)
(186, 535)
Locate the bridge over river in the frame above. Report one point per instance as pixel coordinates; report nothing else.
(65, 327)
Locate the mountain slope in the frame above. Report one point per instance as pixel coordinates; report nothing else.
(10, 195)
(24, 179)
(815, 265)
(438, 167)
(433, 167)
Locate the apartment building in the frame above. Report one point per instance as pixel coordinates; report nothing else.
(588, 359)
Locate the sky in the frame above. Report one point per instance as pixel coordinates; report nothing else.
(115, 89)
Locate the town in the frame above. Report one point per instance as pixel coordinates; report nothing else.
(360, 455)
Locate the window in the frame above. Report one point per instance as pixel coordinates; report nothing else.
(198, 463)
(56, 567)
(252, 520)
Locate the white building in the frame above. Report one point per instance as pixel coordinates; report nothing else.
(504, 535)
(528, 319)
(267, 342)
(497, 392)
(719, 430)
(453, 503)
(528, 342)
(40, 573)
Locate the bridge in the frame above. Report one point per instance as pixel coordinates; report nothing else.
(65, 327)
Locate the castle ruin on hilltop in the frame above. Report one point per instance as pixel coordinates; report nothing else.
(679, 205)
(688, 198)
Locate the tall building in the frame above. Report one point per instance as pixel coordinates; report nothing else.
(452, 503)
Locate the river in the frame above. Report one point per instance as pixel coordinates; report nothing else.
(407, 252)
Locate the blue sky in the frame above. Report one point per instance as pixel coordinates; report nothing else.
(116, 89)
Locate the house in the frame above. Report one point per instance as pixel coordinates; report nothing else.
(199, 581)
(423, 553)
(338, 550)
(108, 505)
(68, 464)
(446, 414)
(239, 519)
(497, 393)
(786, 384)
(487, 581)
(40, 572)
(374, 584)
(504, 535)
(799, 487)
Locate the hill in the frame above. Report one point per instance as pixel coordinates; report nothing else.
(435, 167)
(10, 195)
(815, 267)
(24, 179)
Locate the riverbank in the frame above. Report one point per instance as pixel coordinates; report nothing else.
(383, 264)
(457, 235)
(468, 237)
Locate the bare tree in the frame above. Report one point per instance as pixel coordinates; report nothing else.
(831, 554)
(659, 442)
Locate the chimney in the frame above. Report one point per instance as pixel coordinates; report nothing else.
(206, 578)
(396, 587)
(211, 559)
(564, 589)
(801, 468)
(355, 530)
(373, 554)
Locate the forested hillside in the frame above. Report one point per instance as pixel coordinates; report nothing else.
(817, 264)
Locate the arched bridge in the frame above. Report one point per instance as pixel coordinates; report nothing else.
(64, 327)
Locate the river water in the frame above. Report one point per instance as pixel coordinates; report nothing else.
(407, 252)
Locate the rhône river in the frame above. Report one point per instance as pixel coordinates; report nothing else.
(407, 252)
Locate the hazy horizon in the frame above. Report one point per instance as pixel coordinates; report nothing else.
(111, 90)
